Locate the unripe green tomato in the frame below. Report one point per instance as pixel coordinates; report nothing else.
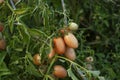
(73, 26)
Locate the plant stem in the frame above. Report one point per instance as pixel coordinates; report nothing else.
(73, 63)
(87, 72)
(11, 1)
(9, 6)
(64, 12)
(53, 60)
(51, 65)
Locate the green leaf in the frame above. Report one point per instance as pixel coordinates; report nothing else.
(4, 70)
(19, 49)
(111, 73)
(2, 56)
(20, 11)
(3, 67)
(29, 56)
(50, 77)
(24, 32)
(34, 32)
(5, 73)
(95, 73)
(11, 22)
(71, 74)
(101, 78)
(106, 23)
(32, 70)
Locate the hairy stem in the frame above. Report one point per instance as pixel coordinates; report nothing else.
(11, 1)
(64, 12)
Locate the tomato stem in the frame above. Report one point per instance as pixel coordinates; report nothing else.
(64, 12)
(75, 64)
(11, 1)
(53, 60)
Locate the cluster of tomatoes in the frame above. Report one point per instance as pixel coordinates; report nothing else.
(64, 46)
(2, 40)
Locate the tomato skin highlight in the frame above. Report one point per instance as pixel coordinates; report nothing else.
(59, 45)
(59, 71)
(70, 40)
(51, 54)
(2, 44)
(36, 59)
(70, 53)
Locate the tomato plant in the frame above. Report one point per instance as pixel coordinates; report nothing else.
(80, 37)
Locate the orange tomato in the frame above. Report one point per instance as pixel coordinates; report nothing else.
(62, 31)
(70, 40)
(1, 1)
(70, 54)
(59, 45)
(60, 71)
(51, 54)
(37, 59)
(2, 44)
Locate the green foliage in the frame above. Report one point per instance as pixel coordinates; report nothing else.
(30, 25)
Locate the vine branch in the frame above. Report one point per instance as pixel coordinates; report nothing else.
(11, 1)
(64, 12)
